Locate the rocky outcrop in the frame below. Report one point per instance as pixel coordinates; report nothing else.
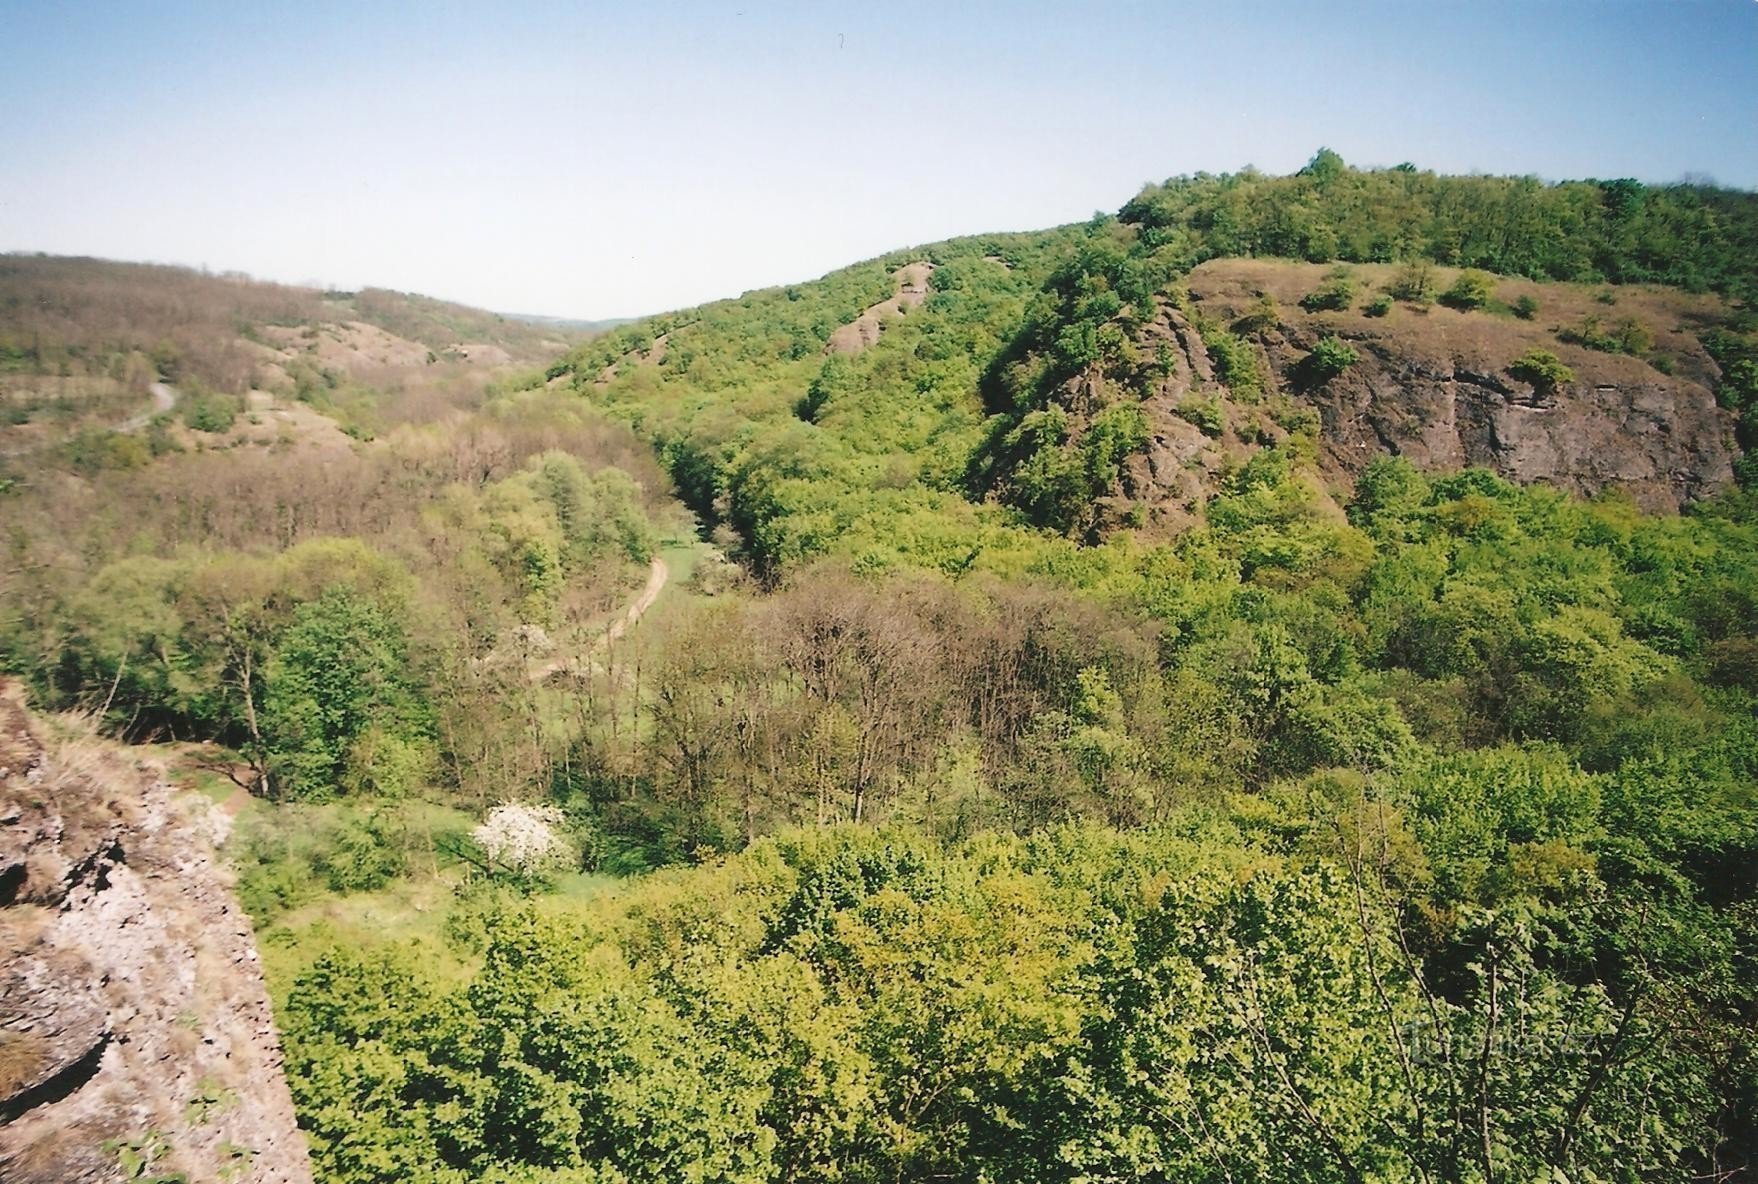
(1434, 385)
(134, 1025)
(863, 332)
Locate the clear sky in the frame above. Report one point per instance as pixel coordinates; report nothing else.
(603, 160)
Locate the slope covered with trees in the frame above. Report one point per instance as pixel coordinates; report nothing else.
(1121, 747)
(988, 387)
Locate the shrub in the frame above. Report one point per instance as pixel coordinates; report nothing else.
(1628, 336)
(1379, 306)
(210, 412)
(1329, 358)
(1206, 414)
(1235, 363)
(523, 839)
(1471, 290)
(1543, 369)
(1262, 315)
(1337, 294)
(1526, 308)
(1413, 283)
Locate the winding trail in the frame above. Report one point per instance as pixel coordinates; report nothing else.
(164, 400)
(657, 575)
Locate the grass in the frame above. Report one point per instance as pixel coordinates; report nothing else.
(410, 910)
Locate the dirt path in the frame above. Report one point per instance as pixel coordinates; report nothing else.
(657, 575)
(164, 400)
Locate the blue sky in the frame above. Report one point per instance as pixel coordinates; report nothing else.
(597, 161)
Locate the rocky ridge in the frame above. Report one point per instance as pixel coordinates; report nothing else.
(136, 1037)
(1431, 384)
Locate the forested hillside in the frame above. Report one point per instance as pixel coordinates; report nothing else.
(1260, 687)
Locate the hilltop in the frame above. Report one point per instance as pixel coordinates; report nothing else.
(1108, 377)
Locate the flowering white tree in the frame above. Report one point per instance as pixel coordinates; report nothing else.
(523, 838)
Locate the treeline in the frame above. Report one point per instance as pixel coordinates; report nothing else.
(1692, 236)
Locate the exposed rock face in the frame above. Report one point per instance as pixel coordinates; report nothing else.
(863, 332)
(1433, 385)
(133, 1017)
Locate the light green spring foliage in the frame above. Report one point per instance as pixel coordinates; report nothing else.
(1228, 997)
(1440, 805)
(803, 453)
(800, 454)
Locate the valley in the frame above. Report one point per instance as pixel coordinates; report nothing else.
(1260, 686)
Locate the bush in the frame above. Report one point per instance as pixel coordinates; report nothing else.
(1329, 358)
(1337, 294)
(210, 412)
(94, 450)
(1413, 283)
(1543, 369)
(1235, 363)
(1628, 336)
(1379, 306)
(358, 855)
(1262, 315)
(1526, 308)
(1472, 290)
(1206, 414)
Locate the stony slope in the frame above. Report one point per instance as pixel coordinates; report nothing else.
(1431, 384)
(136, 1037)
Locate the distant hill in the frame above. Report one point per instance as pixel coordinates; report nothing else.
(568, 324)
(82, 341)
(1108, 377)
(65, 314)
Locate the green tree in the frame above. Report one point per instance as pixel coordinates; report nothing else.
(340, 692)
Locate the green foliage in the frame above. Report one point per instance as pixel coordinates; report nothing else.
(1410, 842)
(96, 450)
(1207, 414)
(138, 1158)
(1329, 358)
(1337, 294)
(1525, 307)
(1261, 316)
(341, 710)
(1379, 306)
(1233, 995)
(210, 411)
(1543, 369)
(1414, 283)
(1628, 336)
(1236, 362)
(1472, 290)
(1690, 236)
